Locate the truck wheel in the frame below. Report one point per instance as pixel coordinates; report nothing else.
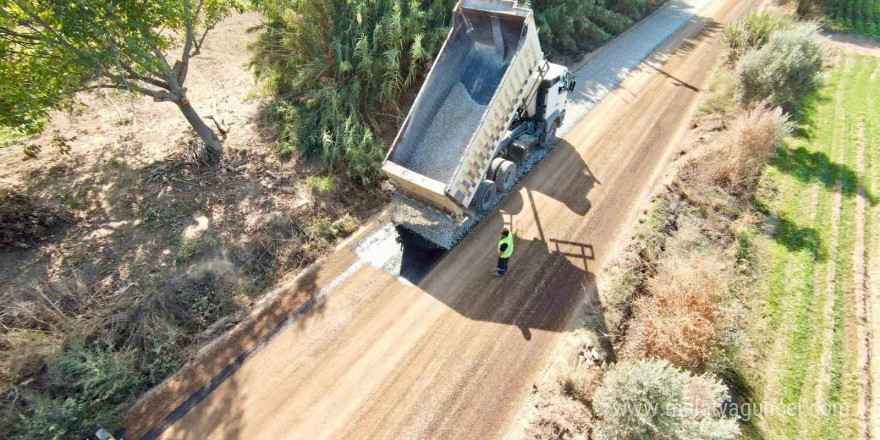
(485, 195)
(494, 167)
(505, 176)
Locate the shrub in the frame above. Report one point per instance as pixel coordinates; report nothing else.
(754, 138)
(751, 32)
(337, 66)
(783, 71)
(580, 382)
(162, 343)
(321, 184)
(679, 321)
(94, 385)
(655, 400)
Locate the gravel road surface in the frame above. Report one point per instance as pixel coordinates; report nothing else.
(454, 356)
(615, 61)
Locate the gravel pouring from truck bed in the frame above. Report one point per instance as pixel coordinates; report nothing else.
(440, 228)
(442, 146)
(595, 80)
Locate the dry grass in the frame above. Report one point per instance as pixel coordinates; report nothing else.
(754, 138)
(680, 320)
(581, 383)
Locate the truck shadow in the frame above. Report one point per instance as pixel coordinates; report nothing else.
(548, 277)
(547, 280)
(570, 171)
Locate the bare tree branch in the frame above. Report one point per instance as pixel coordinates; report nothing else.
(201, 40)
(183, 67)
(169, 73)
(131, 74)
(19, 37)
(157, 95)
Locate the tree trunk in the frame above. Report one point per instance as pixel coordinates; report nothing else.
(213, 146)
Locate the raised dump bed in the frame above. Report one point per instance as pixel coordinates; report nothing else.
(476, 85)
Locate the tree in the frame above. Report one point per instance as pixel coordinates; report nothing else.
(783, 71)
(655, 400)
(53, 49)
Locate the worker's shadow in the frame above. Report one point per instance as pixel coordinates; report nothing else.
(548, 277)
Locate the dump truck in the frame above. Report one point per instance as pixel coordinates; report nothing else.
(490, 100)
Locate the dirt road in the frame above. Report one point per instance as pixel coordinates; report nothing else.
(455, 355)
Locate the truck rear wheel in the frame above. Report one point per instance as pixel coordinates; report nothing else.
(505, 175)
(485, 195)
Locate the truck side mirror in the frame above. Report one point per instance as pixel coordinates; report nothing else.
(571, 85)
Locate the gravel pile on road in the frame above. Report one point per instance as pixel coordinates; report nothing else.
(443, 144)
(617, 59)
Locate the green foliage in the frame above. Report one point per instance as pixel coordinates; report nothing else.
(751, 32)
(162, 357)
(196, 247)
(50, 50)
(856, 16)
(572, 27)
(9, 136)
(321, 184)
(655, 400)
(92, 384)
(783, 71)
(339, 66)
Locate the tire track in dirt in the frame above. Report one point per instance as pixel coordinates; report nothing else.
(779, 358)
(827, 323)
(862, 295)
(872, 267)
(828, 307)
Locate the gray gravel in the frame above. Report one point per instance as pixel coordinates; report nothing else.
(442, 229)
(596, 79)
(440, 150)
(617, 59)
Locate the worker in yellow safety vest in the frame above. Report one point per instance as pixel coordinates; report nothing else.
(505, 251)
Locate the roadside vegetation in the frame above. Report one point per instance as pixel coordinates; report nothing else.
(853, 16)
(804, 321)
(743, 271)
(856, 16)
(569, 28)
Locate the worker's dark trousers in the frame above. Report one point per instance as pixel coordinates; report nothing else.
(502, 266)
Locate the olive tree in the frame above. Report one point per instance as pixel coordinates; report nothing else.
(53, 49)
(784, 70)
(652, 399)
